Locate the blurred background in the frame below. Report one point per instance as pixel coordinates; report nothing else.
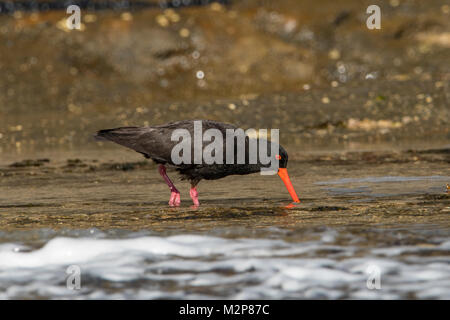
(314, 71)
(364, 115)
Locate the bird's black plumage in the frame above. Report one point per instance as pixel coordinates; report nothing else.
(155, 142)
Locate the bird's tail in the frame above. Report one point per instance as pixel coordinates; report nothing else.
(117, 133)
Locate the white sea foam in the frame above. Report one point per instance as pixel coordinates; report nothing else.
(173, 267)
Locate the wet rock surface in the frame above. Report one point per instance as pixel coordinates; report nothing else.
(360, 188)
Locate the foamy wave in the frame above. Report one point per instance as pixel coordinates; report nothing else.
(193, 266)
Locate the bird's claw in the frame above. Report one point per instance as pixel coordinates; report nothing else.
(175, 199)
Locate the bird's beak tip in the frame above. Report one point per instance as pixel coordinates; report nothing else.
(283, 174)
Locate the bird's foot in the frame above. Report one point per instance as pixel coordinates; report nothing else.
(194, 195)
(175, 199)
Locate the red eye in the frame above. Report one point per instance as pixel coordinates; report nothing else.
(278, 157)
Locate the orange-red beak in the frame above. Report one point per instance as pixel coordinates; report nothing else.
(282, 172)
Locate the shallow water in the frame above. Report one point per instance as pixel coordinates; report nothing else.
(390, 217)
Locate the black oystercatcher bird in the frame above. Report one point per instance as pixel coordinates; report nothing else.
(155, 142)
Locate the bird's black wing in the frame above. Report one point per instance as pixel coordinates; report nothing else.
(149, 141)
(155, 142)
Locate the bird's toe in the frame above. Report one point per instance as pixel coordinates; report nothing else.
(194, 196)
(175, 199)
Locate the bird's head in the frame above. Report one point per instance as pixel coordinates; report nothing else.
(282, 158)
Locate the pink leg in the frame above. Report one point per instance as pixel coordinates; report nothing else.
(175, 194)
(194, 195)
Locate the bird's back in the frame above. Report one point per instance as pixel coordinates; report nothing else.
(155, 142)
